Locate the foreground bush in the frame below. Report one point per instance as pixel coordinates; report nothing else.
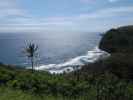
(100, 86)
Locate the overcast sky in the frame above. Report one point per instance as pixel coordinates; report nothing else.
(64, 15)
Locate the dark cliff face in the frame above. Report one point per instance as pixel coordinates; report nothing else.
(119, 43)
(118, 40)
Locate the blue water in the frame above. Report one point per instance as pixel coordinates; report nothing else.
(54, 48)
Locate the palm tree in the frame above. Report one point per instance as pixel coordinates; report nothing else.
(31, 52)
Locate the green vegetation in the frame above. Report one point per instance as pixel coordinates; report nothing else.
(99, 85)
(118, 40)
(108, 79)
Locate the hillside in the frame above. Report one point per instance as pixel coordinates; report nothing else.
(118, 40)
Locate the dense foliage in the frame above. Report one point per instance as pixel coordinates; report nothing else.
(92, 86)
(118, 40)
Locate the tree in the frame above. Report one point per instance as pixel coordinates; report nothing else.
(31, 51)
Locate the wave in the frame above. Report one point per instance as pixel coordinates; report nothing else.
(79, 61)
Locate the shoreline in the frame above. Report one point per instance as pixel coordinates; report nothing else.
(79, 61)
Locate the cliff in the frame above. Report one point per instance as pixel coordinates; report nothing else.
(118, 40)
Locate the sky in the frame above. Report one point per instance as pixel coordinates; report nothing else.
(64, 15)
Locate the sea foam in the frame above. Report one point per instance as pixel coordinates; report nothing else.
(79, 61)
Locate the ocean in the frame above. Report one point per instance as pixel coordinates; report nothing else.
(57, 52)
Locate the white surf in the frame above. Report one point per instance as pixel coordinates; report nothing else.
(79, 61)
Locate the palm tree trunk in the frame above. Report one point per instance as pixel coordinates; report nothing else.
(32, 63)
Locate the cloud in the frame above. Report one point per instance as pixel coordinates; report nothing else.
(109, 12)
(15, 19)
(87, 1)
(113, 0)
(10, 8)
(92, 1)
